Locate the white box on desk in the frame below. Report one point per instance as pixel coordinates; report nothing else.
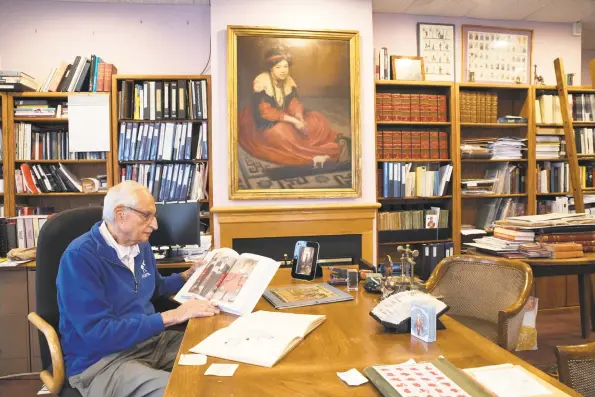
(423, 321)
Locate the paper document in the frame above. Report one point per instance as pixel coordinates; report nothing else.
(519, 382)
(352, 377)
(88, 123)
(222, 369)
(43, 390)
(192, 359)
(9, 263)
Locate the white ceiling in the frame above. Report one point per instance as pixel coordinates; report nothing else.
(519, 10)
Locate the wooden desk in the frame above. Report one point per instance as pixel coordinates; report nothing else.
(581, 267)
(349, 338)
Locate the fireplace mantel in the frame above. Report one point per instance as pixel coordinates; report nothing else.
(286, 221)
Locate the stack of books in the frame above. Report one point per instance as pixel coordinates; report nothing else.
(16, 81)
(36, 108)
(476, 148)
(549, 147)
(584, 239)
(564, 250)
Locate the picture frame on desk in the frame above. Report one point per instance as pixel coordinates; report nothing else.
(496, 55)
(294, 113)
(436, 45)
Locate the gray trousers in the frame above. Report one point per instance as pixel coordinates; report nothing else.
(140, 371)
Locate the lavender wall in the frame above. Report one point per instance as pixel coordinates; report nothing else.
(138, 38)
(586, 57)
(306, 14)
(398, 32)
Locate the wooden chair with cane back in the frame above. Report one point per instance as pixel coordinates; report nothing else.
(576, 367)
(487, 295)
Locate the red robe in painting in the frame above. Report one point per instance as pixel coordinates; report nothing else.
(263, 133)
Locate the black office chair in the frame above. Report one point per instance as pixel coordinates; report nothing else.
(54, 237)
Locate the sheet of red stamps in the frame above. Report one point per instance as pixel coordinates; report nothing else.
(420, 380)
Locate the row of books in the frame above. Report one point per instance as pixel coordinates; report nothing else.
(497, 209)
(586, 239)
(584, 140)
(587, 174)
(407, 180)
(479, 107)
(1, 143)
(435, 218)
(412, 145)
(162, 141)
(170, 182)
(36, 143)
(558, 204)
(159, 100)
(504, 179)
(16, 81)
(547, 108)
(83, 74)
(411, 107)
(382, 64)
(553, 177)
(46, 178)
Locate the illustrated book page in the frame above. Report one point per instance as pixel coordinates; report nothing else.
(260, 338)
(235, 282)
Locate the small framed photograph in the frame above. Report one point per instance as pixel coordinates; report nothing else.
(305, 260)
(407, 68)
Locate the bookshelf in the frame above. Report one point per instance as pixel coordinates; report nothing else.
(4, 198)
(479, 108)
(416, 128)
(48, 127)
(139, 165)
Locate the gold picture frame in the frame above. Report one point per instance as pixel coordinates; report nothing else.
(294, 113)
(407, 68)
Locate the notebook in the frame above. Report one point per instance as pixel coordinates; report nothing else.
(260, 338)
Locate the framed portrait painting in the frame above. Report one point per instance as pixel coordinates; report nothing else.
(436, 45)
(293, 98)
(496, 55)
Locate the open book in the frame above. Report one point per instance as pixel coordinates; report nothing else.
(235, 282)
(260, 338)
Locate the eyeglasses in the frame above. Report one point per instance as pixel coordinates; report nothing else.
(147, 216)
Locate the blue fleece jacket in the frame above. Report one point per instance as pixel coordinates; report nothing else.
(104, 308)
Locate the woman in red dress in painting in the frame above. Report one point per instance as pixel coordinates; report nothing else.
(276, 128)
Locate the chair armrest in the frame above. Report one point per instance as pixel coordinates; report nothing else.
(53, 382)
(510, 319)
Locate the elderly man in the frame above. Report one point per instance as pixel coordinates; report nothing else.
(113, 341)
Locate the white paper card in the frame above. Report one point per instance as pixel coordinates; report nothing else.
(222, 369)
(44, 390)
(88, 123)
(519, 383)
(192, 359)
(352, 377)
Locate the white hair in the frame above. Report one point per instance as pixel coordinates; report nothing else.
(125, 193)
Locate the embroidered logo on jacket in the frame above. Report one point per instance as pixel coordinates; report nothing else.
(144, 270)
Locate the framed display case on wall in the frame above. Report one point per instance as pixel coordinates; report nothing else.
(496, 55)
(436, 45)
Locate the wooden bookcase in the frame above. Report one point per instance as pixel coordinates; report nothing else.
(388, 241)
(513, 100)
(562, 289)
(204, 205)
(81, 168)
(3, 125)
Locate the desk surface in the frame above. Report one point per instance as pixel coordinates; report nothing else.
(349, 338)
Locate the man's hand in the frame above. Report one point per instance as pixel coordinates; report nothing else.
(187, 310)
(186, 275)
